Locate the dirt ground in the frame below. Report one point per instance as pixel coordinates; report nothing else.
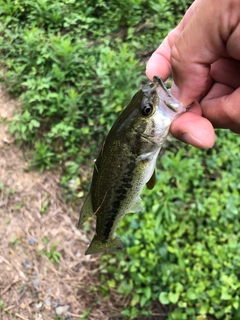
(34, 219)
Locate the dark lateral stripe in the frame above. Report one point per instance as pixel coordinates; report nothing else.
(126, 183)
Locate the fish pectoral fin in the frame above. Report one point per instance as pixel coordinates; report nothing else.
(108, 246)
(86, 211)
(137, 206)
(151, 183)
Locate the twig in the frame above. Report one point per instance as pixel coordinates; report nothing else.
(6, 261)
(9, 308)
(19, 316)
(51, 215)
(3, 203)
(47, 190)
(75, 315)
(8, 287)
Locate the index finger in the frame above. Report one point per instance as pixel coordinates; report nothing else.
(159, 63)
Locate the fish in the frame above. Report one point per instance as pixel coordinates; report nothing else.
(126, 163)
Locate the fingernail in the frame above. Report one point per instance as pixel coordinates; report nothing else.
(175, 90)
(188, 138)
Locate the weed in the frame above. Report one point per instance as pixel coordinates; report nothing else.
(45, 240)
(19, 206)
(53, 255)
(10, 192)
(45, 205)
(1, 304)
(14, 241)
(58, 318)
(85, 315)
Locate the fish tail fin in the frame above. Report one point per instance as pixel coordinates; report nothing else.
(86, 211)
(108, 246)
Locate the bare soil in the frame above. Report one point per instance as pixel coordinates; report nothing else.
(35, 219)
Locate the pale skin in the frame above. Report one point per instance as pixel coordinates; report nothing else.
(203, 55)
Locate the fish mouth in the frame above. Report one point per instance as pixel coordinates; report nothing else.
(165, 95)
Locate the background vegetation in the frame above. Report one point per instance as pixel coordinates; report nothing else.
(75, 65)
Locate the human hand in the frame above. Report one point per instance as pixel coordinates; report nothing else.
(203, 54)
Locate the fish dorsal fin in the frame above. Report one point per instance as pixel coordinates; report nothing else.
(151, 183)
(86, 211)
(137, 206)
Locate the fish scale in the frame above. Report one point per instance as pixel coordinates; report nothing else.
(127, 161)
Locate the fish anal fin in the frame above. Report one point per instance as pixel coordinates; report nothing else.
(151, 183)
(86, 211)
(108, 246)
(137, 206)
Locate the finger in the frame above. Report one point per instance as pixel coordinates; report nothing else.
(159, 63)
(221, 107)
(233, 45)
(193, 129)
(201, 43)
(226, 71)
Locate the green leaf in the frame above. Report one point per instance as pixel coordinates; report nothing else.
(225, 295)
(135, 299)
(112, 283)
(173, 297)
(191, 294)
(163, 298)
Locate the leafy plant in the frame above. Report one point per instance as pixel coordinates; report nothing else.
(183, 251)
(45, 240)
(53, 255)
(19, 206)
(75, 66)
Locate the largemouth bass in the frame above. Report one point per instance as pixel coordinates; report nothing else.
(127, 161)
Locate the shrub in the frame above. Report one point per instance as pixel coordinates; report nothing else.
(75, 65)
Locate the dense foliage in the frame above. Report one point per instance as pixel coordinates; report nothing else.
(184, 249)
(75, 64)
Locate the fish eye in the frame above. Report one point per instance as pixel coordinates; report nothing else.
(147, 109)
